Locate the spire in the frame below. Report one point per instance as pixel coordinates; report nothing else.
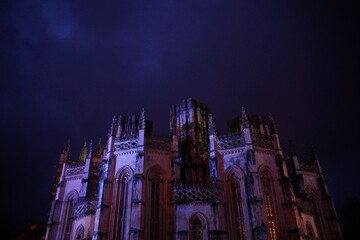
(83, 153)
(90, 150)
(212, 129)
(98, 149)
(273, 124)
(244, 118)
(292, 149)
(112, 126)
(142, 120)
(314, 156)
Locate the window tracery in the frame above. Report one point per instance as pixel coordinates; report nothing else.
(79, 233)
(237, 205)
(266, 183)
(69, 214)
(155, 211)
(196, 229)
(121, 204)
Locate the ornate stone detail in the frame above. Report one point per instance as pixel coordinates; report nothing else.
(197, 193)
(126, 153)
(75, 170)
(84, 208)
(197, 230)
(232, 151)
(262, 140)
(158, 142)
(305, 206)
(126, 145)
(230, 141)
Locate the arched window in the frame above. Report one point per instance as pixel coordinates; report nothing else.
(235, 208)
(267, 191)
(121, 203)
(311, 193)
(68, 213)
(79, 234)
(198, 227)
(155, 211)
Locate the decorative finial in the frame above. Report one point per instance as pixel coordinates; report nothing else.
(142, 120)
(292, 149)
(273, 124)
(211, 125)
(112, 125)
(244, 118)
(83, 153)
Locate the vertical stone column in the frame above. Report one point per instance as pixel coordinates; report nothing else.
(137, 197)
(105, 164)
(257, 211)
(137, 201)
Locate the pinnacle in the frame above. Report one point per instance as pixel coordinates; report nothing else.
(244, 118)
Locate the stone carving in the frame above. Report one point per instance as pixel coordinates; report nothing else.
(263, 141)
(305, 206)
(75, 171)
(126, 145)
(84, 208)
(197, 193)
(230, 141)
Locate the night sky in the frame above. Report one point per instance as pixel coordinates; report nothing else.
(68, 66)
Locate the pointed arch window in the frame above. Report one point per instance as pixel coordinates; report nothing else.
(316, 208)
(121, 213)
(266, 183)
(155, 208)
(69, 214)
(197, 229)
(79, 234)
(236, 202)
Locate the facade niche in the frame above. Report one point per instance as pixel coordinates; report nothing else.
(198, 227)
(69, 214)
(121, 203)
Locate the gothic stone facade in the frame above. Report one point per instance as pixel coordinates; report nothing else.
(190, 185)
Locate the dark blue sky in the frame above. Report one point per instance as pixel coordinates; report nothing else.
(68, 66)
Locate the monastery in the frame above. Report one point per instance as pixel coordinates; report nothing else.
(191, 184)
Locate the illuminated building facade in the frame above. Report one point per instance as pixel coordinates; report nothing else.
(192, 184)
